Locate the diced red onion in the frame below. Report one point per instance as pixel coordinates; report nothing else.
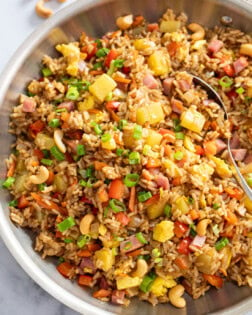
(248, 159)
(221, 145)
(235, 141)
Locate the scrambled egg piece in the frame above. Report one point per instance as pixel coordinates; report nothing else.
(127, 282)
(163, 231)
(160, 285)
(222, 168)
(72, 53)
(104, 259)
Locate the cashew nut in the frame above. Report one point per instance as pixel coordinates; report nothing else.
(202, 227)
(42, 11)
(175, 296)
(246, 49)
(41, 176)
(85, 223)
(124, 22)
(198, 31)
(58, 135)
(141, 269)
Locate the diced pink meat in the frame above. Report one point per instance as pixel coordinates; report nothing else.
(154, 170)
(162, 181)
(177, 106)
(184, 85)
(215, 45)
(167, 86)
(248, 159)
(118, 297)
(132, 243)
(197, 242)
(123, 86)
(220, 145)
(29, 105)
(150, 81)
(239, 154)
(87, 262)
(240, 64)
(72, 144)
(69, 106)
(235, 141)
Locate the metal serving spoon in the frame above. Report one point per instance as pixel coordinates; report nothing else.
(214, 95)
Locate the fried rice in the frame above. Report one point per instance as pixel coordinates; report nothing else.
(120, 166)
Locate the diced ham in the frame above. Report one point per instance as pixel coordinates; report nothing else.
(132, 243)
(86, 262)
(69, 106)
(239, 154)
(248, 159)
(177, 106)
(72, 144)
(29, 105)
(184, 85)
(215, 45)
(162, 181)
(197, 242)
(150, 81)
(154, 170)
(118, 297)
(103, 284)
(220, 145)
(123, 86)
(167, 86)
(240, 64)
(235, 141)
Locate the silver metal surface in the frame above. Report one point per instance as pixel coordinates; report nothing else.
(97, 17)
(213, 94)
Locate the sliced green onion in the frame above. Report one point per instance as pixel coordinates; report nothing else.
(66, 224)
(122, 123)
(46, 153)
(13, 203)
(60, 110)
(54, 123)
(89, 183)
(60, 260)
(89, 171)
(131, 180)
(190, 200)
(99, 43)
(178, 155)
(46, 72)
(102, 52)
(167, 211)
(119, 152)
(192, 229)
(221, 243)
(81, 150)
(8, 182)
(240, 90)
(30, 94)
(46, 162)
(176, 125)
(116, 205)
(147, 150)
(83, 240)
(158, 260)
(216, 206)
(179, 135)
(41, 187)
(97, 128)
(249, 179)
(134, 158)
(72, 93)
(145, 257)
(106, 137)
(144, 195)
(137, 133)
(57, 154)
(97, 65)
(216, 230)
(109, 97)
(68, 240)
(148, 280)
(226, 81)
(105, 213)
(155, 252)
(114, 65)
(141, 238)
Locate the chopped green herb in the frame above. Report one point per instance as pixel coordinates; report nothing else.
(176, 125)
(226, 81)
(119, 152)
(190, 200)
(122, 123)
(179, 135)
(68, 240)
(102, 52)
(131, 180)
(192, 230)
(141, 238)
(30, 94)
(97, 128)
(81, 150)
(83, 240)
(178, 155)
(138, 130)
(134, 158)
(216, 206)
(240, 90)
(106, 137)
(109, 97)
(41, 187)
(60, 110)
(89, 183)
(97, 65)
(167, 211)
(155, 252)
(114, 65)
(147, 282)
(60, 260)
(99, 43)
(46, 153)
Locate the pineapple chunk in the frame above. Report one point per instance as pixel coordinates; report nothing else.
(153, 138)
(87, 104)
(20, 182)
(171, 168)
(152, 113)
(192, 120)
(160, 285)
(247, 203)
(59, 183)
(163, 231)
(227, 256)
(110, 243)
(102, 229)
(159, 63)
(127, 282)
(104, 259)
(169, 26)
(202, 201)
(157, 209)
(109, 145)
(222, 167)
(181, 204)
(202, 171)
(44, 142)
(102, 87)
(128, 140)
(188, 144)
(72, 52)
(143, 44)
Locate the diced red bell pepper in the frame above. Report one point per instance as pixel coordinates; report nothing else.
(232, 95)
(122, 218)
(85, 280)
(215, 281)
(126, 70)
(65, 268)
(22, 202)
(180, 228)
(183, 246)
(229, 70)
(199, 150)
(38, 153)
(110, 56)
(90, 50)
(112, 105)
(37, 126)
(86, 200)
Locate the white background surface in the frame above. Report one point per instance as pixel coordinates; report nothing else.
(20, 295)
